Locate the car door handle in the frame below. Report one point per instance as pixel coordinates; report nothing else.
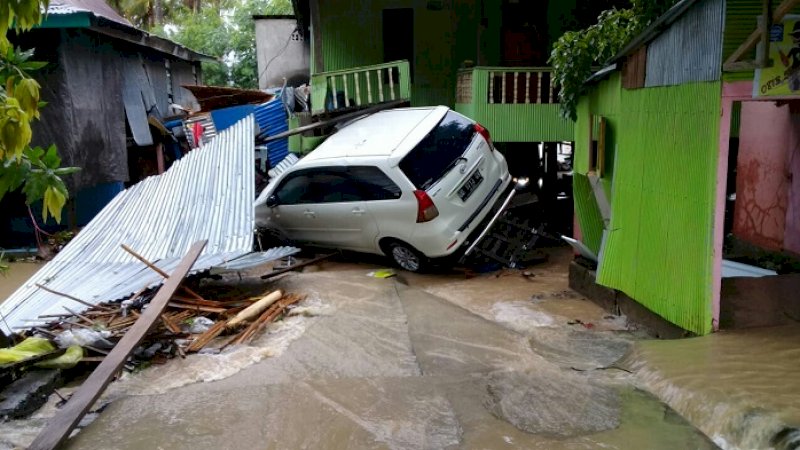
(358, 211)
(309, 213)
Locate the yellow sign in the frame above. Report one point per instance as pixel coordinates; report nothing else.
(783, 77)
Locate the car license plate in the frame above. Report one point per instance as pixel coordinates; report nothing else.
(469, 187)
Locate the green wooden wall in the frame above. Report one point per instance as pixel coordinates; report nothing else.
(352, 36)
(659, 243)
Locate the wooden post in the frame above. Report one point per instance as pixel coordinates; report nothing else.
(379, 82)
(160, 158)
(346, 94)
(538, 87)
(491, 87)
(765, 25)
(316, 32)
(527, 87)
(516, 75)
(503, 88)
(369, 87)
(391, 81)
(335, 95)
(358, 89)
(59, 427)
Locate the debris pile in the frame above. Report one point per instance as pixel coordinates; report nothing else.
(188, 325)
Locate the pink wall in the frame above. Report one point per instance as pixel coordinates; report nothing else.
(791, 238)
(767, 138)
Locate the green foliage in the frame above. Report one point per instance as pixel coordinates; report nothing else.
(36, 171)
(225, 30)
(576, 52)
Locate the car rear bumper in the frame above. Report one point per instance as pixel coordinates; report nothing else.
(474, 224)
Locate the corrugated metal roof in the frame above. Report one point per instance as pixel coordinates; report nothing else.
(208, 194)
(97, 7)
(256, 259)
(690, 49)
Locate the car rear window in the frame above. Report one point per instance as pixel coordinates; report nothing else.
(438, 151)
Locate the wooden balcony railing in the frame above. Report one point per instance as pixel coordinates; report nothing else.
(361, 86)
(506, 85)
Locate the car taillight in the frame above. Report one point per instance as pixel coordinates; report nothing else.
(426, 210)
(480, 129)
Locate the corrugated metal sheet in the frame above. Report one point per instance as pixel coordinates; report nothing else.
(138, 98)
(659, 248)
(256, 259)
(208, 194)
(97, 7)
(587, 212)
(690, 49)
(271, 118)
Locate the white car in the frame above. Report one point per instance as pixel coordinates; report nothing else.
(410, 183)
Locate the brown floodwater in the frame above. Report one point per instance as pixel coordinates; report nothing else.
(504, 360)
(17, 274)
(742, 388)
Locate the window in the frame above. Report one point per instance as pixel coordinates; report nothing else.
(438, 152)
(336, 185)
(597, 144)
(374, 184)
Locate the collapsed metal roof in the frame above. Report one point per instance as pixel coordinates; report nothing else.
(207, 194)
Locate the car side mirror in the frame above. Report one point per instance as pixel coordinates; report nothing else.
(272, 201)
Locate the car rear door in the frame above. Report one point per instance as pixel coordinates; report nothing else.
(456, 166)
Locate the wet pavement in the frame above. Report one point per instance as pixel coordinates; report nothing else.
(497, 361)
(511, 359)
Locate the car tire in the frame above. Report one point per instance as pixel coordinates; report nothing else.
(406, 257)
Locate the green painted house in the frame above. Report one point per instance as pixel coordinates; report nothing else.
(485, 58)
(673, 137)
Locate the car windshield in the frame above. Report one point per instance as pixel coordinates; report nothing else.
(438, 152)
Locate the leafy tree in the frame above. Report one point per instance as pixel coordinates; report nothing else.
(35, 170)
(223, 29)
(576, 52)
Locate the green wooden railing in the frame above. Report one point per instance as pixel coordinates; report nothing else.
(517, 104)
(360, 86)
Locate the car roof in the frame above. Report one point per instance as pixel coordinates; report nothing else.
(389, 133)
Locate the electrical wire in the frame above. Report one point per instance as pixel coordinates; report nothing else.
(285, 46)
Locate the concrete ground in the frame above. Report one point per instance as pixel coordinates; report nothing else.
(506, 360)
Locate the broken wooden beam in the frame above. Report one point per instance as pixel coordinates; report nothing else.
(59, 427)
(75, 299)
(158, 271)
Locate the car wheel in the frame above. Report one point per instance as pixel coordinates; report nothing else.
(407, 257)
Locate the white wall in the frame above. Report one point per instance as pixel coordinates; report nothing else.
(280, 53)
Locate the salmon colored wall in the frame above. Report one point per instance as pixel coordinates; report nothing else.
(769, 141)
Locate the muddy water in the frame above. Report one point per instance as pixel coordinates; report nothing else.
(497, 361)
(740, 387)
(17, 274)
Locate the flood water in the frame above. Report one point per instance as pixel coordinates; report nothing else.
(503, 360)
(17, 274)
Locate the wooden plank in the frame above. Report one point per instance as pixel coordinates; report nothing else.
(75, 299)
(765, 25)
(159, 271)
(780, 12)
(59, 427)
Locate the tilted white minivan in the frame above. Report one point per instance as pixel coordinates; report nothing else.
(410, 183)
